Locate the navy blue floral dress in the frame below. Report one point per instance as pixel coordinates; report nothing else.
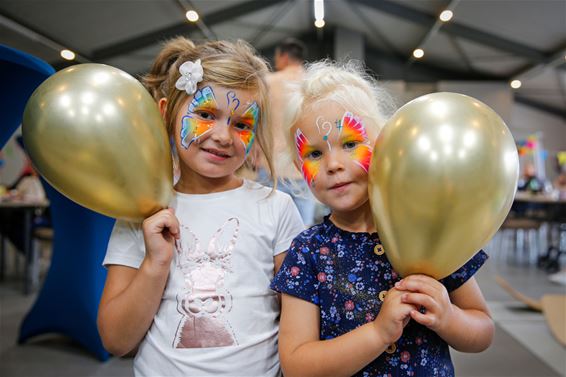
(347, 274)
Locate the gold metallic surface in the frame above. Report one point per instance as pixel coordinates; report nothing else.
(442, 180)
(97, 136)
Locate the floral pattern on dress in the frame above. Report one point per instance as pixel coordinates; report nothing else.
(340, 272)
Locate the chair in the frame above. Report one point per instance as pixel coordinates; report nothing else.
(524, 232)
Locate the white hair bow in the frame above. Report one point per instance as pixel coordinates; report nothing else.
(191, 75)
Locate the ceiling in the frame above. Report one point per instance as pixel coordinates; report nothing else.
(486, 40)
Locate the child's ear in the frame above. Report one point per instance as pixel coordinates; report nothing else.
(162, 106)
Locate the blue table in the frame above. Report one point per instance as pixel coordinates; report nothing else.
(68, 301)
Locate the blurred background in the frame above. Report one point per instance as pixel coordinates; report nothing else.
(510, 54)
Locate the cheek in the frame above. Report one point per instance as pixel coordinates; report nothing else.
(192, 129)
(362, 156)
(247, 138)
(310, 170)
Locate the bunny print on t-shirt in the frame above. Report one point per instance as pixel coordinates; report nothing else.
(205, 300)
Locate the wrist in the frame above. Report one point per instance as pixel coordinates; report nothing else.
(155, 268)
(448, 318)
(378, 341)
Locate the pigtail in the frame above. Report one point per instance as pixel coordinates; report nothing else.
(157, 80)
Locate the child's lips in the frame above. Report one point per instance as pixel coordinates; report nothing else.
(216, 152)
(339, 186)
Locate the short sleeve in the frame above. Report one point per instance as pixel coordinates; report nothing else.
(126, 246)
(289, 225)
(458, 278)
(297, 275)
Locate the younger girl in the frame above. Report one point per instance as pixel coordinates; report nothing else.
(345, 311)
(190, 286)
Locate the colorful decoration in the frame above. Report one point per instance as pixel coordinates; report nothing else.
(309, 167)
(353, 131)
(192, 124)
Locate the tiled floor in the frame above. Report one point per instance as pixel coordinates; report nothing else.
(523, 344)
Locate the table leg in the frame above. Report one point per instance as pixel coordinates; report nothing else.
(28, 252)
(2, 256)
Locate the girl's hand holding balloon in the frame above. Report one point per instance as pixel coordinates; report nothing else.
(422, 291)
(393, 316)
(160, 232)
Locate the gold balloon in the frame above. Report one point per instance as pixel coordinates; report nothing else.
(442, 179)
(97, 136)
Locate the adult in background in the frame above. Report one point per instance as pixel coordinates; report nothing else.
(289, 59)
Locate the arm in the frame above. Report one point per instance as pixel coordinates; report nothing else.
(461, 318)
(278, 261)
(132, 296)
(303, 354)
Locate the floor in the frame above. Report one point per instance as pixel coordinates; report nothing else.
(523, 344)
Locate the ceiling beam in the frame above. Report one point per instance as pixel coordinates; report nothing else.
(453, 28)
(214, 18)
(541, 106)
(279, 14)
(434, 28)
(422, 71)
(35, 35)
(554, 59)
(185, 6)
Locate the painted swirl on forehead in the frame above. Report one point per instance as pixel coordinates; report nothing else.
(191, 125)
(251, 118)
(233, 103)
(353, 130)
(309, 168)
(324, 128)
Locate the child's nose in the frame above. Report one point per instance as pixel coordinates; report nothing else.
(334, 162)
(221, 133)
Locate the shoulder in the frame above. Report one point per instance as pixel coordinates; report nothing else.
(265, 194)
(311, 236)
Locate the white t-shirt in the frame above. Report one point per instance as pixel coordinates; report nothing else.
(217, 315)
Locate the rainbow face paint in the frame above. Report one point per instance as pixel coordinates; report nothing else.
(353, 131)
(309, 167)
(250, 119)
(191, 124)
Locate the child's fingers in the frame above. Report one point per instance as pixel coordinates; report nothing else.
(172, 223)
(163, 220)
(423, 319)
(419, 299)
(420, 283)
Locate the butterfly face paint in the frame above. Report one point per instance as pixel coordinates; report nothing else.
(247, 126)
(310, 166)
(194, 125)
(352, 131)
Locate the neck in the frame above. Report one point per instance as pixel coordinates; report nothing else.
(191, 182)
(357, 220)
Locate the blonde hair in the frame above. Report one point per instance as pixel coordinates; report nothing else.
(233, 65)
(344, 83)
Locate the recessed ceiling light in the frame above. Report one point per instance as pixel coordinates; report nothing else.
(192, 16)
(418, 53)
(515, 84)
(319, 23)
(446, 15)
(67, 54)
